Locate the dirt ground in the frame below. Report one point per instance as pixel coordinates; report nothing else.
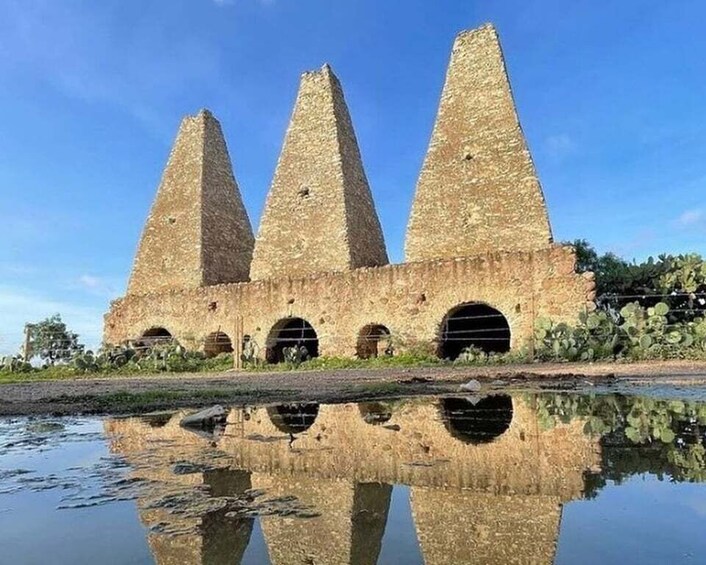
(153, 392)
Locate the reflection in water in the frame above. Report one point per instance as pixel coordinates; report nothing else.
(375, 413)
(486, 480)
(293, 418)
(477, 420)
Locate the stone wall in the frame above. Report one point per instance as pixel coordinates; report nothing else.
(319, 214)
(198, 232)
(478, 190)
(411, 300)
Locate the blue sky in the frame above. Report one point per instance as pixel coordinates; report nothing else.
(611, 95)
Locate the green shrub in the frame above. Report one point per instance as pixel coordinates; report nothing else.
(13, 364)
(636, 333)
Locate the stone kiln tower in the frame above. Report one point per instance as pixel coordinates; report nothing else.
(198, 232)
(478, 191)
(319, 215)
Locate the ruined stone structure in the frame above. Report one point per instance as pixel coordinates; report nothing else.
(483, 494)
(481, 265)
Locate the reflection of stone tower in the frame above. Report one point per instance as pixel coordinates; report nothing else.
(218, 539)
(468, 527)
(319, 214)
(209, 539)
(348, 531)
(478, 190)
(198, 232)
(496, 499)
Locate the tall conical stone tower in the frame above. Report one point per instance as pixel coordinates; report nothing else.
(198, 232)
(478, 190)
(319, 214)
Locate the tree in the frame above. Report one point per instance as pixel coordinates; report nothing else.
(52, 341)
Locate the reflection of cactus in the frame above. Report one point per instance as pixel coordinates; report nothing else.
(674, 429)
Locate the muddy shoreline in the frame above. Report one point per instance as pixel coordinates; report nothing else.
(124, 395)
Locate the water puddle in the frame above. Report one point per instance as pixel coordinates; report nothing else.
(522, 478)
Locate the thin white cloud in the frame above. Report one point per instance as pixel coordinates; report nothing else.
(559, 146)
(89, 281)
(690, 218)
(97, 286)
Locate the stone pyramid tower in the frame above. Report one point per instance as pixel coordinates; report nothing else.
(478, 190)
(198, 232)
(319, 214)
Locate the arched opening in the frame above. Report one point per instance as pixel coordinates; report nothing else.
(473, 325)
(293, 418)
(373, 340)
(477, 422)
(217, 343)
(156, 336)
(291, 332)
(375, 413)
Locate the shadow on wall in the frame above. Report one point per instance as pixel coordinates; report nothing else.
(473, 325)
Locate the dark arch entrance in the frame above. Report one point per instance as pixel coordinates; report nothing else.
(293, 418)
(217, 343)
(369, 338)
(477, 422)
(473, 325)
(156, 336)
(291, 332)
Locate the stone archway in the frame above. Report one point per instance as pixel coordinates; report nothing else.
(476, 325)
(369, 339)
(291, 332)
(217, 343)
(477, 421)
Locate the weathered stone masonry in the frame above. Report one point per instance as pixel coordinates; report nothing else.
(478, 233)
